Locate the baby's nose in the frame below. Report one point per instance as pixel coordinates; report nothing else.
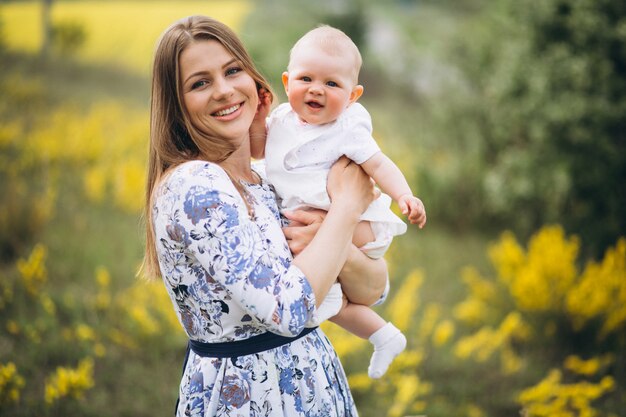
(315, 89)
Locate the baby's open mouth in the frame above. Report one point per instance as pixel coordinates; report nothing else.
(314, 104)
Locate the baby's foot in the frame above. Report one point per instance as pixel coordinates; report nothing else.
(388, 343)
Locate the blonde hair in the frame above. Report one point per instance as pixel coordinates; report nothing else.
(332, 41)
(173, 138)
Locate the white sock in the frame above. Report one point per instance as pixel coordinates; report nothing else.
(388, 342)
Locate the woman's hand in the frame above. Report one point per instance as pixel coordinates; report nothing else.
(258, 131)
(303, 225)
(350, 186)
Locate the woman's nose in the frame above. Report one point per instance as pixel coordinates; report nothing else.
(222, 89)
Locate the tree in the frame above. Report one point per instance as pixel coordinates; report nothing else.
(46, 24)
(549, 82)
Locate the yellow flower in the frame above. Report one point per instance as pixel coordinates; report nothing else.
(472, 311)
(404, 305)
(99, 350)
(443, 332)
(429, 321)
(48, 304)
(95, 182)
(409, 388)
(71, 382)
(587, 367)
(11, 382)
(601, 291)
(84, 333)
(360, 381)
(474, 411)
(550, 397)
(130, 181)
(33, 270)
(511, 363)
(479, 287)
(507, 256)
(103, 278)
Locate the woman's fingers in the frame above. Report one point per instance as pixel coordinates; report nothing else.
(302, 217)
(302, 228)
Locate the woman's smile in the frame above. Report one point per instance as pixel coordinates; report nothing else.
(227, 111)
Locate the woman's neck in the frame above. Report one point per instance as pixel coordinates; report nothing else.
(238, 165)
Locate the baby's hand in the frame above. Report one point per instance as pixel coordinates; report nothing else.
(413, 208)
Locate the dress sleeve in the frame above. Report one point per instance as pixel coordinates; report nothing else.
(227, 247)
(357, 126)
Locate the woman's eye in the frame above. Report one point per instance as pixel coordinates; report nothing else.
(332, 84)
(199, 84)
(232, 71)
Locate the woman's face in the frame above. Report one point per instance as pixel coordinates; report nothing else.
(220, 97)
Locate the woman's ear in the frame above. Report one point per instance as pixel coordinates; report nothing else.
(286, 81)
(356, 92)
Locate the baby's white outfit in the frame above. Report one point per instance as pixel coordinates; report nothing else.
(298, 157)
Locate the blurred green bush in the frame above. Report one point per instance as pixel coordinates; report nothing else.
(545, 104)
(68, 36)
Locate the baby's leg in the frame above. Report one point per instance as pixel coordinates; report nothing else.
(363, 234)
(359, 320)
(364, 322)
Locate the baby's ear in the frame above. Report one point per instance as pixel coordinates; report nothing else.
(286, 81)
(356, 92)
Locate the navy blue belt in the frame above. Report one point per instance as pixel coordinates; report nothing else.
(254, 344)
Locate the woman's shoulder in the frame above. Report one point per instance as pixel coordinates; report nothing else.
(193, 170)
(193, 174)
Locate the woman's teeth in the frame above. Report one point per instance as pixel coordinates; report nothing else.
(227, 111)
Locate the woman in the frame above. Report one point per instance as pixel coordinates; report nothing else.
(214, 235)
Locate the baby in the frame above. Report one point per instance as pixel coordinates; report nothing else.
(300, 142)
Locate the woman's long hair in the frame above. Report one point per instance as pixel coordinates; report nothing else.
(173, 138)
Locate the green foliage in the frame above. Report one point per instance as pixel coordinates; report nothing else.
(546, 103)
(25, 182)
(2, 36)
(270, 48)
(68, 36)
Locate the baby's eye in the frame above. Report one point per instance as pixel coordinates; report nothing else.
(199, 84)
(332, 84)
(306, 79)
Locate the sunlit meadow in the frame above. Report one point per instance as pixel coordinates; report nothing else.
(496, 327)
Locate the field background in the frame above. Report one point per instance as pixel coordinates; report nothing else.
(513, 297)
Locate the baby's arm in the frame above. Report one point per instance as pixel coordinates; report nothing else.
(258, 128)
(391, 180)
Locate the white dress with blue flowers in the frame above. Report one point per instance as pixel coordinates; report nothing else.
(230, 278)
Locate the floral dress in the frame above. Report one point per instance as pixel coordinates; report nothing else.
(230, 277)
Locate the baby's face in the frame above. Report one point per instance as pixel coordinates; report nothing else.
(320, 86)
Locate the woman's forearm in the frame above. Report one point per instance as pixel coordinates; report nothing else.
(322, 260)
(363, 279)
